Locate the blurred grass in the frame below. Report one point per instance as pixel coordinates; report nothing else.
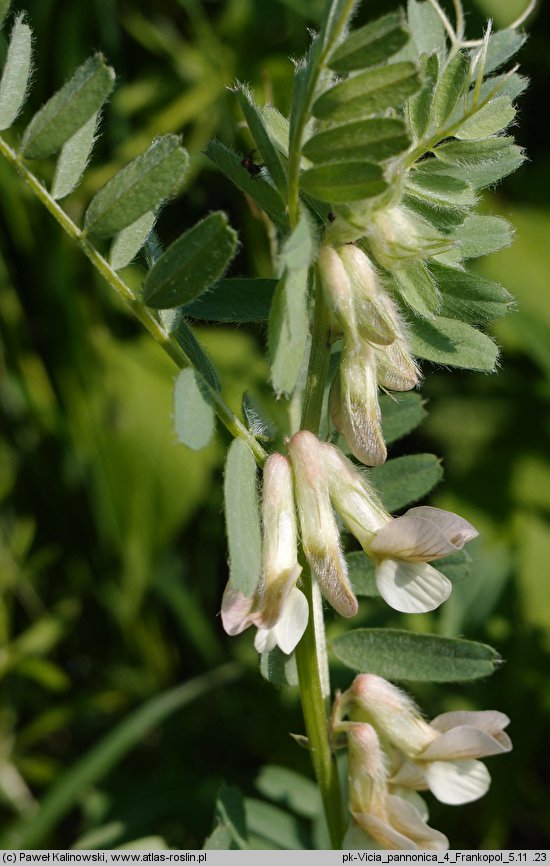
(112, 559)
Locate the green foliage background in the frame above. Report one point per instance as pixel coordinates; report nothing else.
(112, 559)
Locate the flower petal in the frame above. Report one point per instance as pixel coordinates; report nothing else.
(415, 800)
(273, 596)
(411, 587)
(293, 622)
(406, 819)
(356, 839)
(236, 611)
(491, 721)
(265, 640)
(457, 782)
(387, 838)
(455, 528)
(410, 775)
(412, 538)
(464, 742)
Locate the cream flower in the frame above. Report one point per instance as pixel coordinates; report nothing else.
(278, 608)
(386, 820)
(401, 547)
(441, 756)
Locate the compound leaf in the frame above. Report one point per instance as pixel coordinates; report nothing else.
(454, 343)
(376, 139)
(372, 44)
(368, 92)
(406, 479)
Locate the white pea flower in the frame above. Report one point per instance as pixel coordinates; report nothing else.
(380, 818)
(401, 547)
(441, 756)
(278, 608)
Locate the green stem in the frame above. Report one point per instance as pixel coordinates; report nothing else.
(319, 361)
(311, 652)
(138, 308)
(316, 721)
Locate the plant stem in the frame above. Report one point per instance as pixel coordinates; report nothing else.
(313, 708)
(124, 292)
(319, 361)
(311, 653)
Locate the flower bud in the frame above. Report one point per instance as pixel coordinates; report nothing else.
(366, 769)
(337, 289)
(389, 821)
(280, 568)
(354, 406)
(398, 236)
(392, 712)
(376, 316)
(320, 536)
(396, 368)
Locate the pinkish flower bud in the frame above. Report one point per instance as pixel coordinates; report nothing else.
(320, 536)
(389, 821)
(392, 712)
(376, 316)
(337, 290)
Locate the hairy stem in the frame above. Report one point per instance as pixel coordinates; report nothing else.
(316, 721)
(138, 308)
(319, 361)
(311, 652)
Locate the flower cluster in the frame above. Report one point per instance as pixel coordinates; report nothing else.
(375, 353)
(321, 481)
(394, 753)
